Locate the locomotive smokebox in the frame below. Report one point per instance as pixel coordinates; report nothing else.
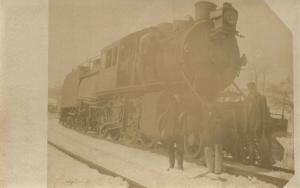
(203, 8)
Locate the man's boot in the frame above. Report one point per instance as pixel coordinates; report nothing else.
(180, 160)
(209, 158)
(171, 156)
(218, 158)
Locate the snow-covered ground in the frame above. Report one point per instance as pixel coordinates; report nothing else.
(144, 167)
(288, 156)
(65, 172)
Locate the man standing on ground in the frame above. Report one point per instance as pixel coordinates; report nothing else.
(254, 125)
(174, 135)
(213, 149)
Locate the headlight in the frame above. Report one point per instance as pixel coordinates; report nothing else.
(231, 17)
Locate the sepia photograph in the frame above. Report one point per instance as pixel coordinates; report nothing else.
(173, 93)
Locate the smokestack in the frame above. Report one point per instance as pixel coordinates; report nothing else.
(203, 8)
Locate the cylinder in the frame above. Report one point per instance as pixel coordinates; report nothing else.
(203, 8)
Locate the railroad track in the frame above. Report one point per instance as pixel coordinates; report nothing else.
(100, 169)
(233, 169)
(229, 166)
(273, 168)
(238, 169)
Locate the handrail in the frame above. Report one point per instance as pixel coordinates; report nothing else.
(237, 87)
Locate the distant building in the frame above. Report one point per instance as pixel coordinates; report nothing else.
(52, 105)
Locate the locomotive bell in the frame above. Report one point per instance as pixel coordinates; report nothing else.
(203, 9)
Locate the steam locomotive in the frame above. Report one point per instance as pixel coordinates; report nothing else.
(122, 93)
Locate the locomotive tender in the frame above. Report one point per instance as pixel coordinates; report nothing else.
(123, 93)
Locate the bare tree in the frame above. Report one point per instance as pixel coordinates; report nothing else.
(282, 95)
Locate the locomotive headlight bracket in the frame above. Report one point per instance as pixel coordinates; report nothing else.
(224, 19)
(230, 16)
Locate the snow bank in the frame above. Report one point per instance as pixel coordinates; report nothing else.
(65, 172)
(216, 181)
(288, 156)
(144, 167)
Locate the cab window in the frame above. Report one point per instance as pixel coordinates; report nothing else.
(108, 58)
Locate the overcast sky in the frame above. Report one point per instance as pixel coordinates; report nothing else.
(78, 29)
